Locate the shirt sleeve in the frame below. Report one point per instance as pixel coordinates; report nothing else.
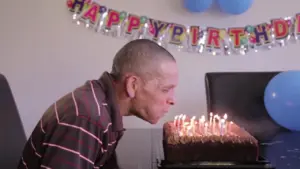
(73, 143)
(112, 162)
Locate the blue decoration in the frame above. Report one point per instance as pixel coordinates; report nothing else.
(282, 99)
(197, 5)
(283, 151)
(235, 7)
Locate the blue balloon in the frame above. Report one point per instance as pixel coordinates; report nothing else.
(235, 7)
(282, 99)
(197, 5)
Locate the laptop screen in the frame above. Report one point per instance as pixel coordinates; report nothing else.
(241, 96)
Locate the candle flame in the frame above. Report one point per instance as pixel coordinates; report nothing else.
(211, 114)
(183, 117)
(231, 122)
(202, 120)
(225, 116)
(176, 117)
(205, 124)
(180, 133)
(186, 123)
(203, 117)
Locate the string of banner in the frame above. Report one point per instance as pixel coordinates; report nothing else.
(194, 38)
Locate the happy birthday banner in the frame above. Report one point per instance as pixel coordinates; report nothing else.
(194, 38)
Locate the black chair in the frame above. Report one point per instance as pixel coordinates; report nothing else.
(241, 96)
(12, 135)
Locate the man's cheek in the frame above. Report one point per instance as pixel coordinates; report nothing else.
(161, 101)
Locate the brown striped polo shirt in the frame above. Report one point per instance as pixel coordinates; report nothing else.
(79, 131)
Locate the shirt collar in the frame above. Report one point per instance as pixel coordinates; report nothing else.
(106, 83)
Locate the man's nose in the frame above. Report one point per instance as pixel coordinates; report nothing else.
(171, 101)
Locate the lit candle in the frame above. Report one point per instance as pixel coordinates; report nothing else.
(175, 120)
(185, 127)
(202, 123)
(225, 118)
(186, 123)
(180, 133)
(225, 123)
(202, 120)
(222, 121)
(210, 119)
(193, 119)
(214, 122)
(182, 130)
(199, 124)
(189, 132)
(193, 123)
(203, 117)
(215, 117)
(183, 119)
(230, 124)
(178, 119)
(205, 128)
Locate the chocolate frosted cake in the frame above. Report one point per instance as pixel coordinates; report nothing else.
(187, 141)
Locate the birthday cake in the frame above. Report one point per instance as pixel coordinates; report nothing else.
(191, 140)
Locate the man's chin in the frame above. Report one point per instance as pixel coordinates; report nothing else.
(145, 118)
(154, 121)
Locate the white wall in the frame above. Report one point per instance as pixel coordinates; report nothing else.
(44, 55)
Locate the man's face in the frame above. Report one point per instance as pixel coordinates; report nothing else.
(154, 97)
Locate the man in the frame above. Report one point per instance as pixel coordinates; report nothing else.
(82, 129)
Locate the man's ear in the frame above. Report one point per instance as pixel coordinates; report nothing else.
(131, 85)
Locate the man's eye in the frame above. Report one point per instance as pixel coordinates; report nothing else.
(165, 90)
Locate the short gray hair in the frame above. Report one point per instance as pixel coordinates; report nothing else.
(138, 56)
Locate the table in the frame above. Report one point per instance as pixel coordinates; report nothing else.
(139, 149)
